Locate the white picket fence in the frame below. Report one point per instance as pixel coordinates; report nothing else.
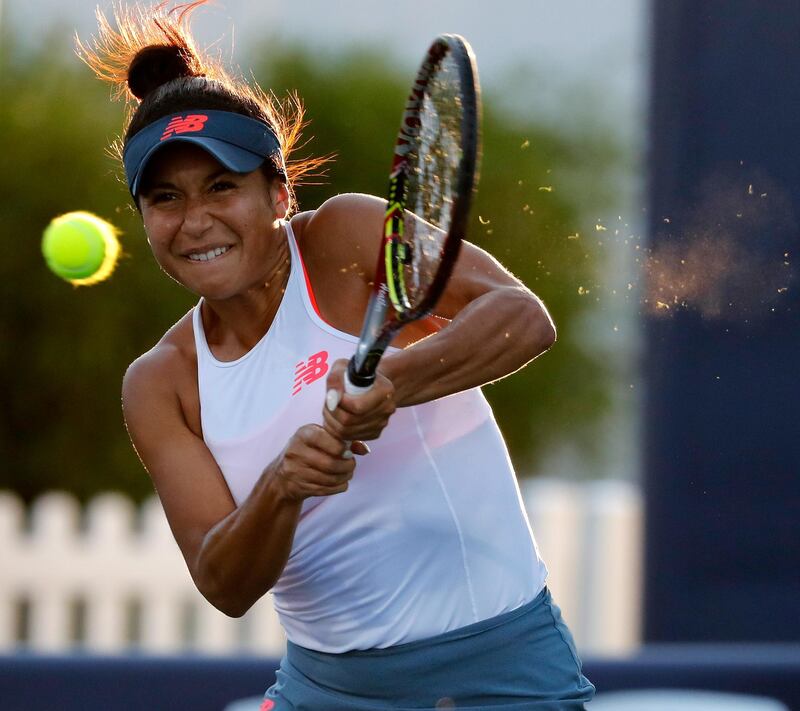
(110, 578)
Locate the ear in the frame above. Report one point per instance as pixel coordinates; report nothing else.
(279, 194)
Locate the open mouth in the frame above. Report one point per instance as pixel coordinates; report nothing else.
(208, 256)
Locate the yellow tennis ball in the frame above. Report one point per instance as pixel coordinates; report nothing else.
(81, 248)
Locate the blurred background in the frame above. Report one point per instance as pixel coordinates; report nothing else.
(637, 174)
(563, 127)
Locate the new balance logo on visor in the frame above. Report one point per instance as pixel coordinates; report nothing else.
(185, 124)
(307, 371)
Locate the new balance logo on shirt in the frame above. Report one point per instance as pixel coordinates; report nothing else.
(307, 371)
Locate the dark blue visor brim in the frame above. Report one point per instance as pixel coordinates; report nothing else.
(234, 158)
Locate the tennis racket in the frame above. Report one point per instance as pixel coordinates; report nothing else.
(433, 176)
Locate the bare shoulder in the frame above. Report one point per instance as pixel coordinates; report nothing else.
(345, 224)
(350, 209)
(339, 243)
(163, 374)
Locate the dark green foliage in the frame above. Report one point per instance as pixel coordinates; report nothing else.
(63, 350)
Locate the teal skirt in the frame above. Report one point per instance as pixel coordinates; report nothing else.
(523, 659)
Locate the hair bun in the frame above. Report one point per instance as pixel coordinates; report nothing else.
(156, 65)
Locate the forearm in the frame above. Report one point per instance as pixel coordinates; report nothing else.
(493, 336)
(243, 555)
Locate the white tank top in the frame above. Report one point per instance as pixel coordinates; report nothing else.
(431, 534)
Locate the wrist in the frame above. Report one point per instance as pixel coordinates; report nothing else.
(278, 486)
(393, 368)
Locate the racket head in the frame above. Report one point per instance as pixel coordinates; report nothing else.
(433, 176)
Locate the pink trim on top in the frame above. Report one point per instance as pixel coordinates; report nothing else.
(308, 283)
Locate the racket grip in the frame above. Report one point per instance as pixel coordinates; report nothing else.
(361, 385)
(352, 389)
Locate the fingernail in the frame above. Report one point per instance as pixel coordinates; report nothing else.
(366, 446)
(347, 454)
(332, 398)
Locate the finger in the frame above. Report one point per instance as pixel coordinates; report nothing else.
(355, 429)
(346, 427)
(324, 440)
(325, 490)
(358, 409)
(340, 489)
(335, 464)
(338, 479)
(331, 424)
(315, 466)
(379, 398)
(359, 447)
(334, 384)
(341, 471)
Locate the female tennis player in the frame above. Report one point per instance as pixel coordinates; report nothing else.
(410, 579)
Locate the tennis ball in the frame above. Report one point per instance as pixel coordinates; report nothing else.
(80, 247)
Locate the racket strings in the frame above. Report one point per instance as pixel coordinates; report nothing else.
(434, 161)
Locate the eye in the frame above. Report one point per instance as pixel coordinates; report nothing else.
(160, 196)
(222, 185)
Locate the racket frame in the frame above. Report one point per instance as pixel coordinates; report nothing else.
(389, 307)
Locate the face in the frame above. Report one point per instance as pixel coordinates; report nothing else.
(212, 230)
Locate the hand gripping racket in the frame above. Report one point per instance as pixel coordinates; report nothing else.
(434, 173)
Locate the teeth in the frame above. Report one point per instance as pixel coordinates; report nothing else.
(206, 256)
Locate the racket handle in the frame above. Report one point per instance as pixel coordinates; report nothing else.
(352, 389)
(355, 384)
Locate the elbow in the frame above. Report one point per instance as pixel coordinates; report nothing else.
(548, 332)
(544, 336)
(230, 597)
(541, 329)
(234, 611)
(527, 319)
(229, 605)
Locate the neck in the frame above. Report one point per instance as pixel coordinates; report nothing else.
(236, 325)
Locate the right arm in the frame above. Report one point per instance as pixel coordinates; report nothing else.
(234, 554)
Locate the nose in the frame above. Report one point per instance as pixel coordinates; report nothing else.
(196, 218)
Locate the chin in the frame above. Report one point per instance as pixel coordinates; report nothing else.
(214, 292)
(212, 288)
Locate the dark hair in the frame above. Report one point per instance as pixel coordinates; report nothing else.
(152, 60)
